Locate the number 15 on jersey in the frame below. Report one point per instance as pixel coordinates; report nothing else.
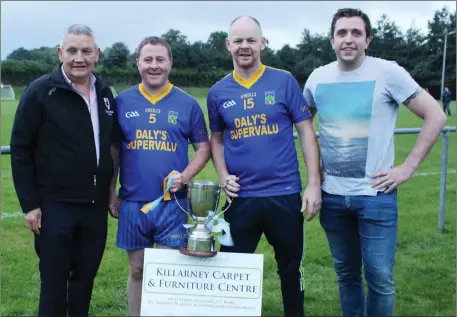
(248, 103)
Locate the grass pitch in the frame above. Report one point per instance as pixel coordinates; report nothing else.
(425, 272)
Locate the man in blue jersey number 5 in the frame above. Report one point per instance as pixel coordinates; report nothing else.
(157, 121)
(252, 112)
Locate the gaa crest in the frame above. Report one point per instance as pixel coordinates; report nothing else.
(172, 117)
(270, 98)
(107, 105)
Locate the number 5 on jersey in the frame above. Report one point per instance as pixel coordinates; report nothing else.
(152, 118)
(248, 103)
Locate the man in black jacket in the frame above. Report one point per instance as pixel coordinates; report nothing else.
(62, 169)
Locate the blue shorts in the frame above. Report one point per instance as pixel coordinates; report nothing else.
(164, 225)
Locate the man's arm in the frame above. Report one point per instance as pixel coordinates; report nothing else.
(218, 127)
(23, 138)
(308, 94)
(116, 139)
(115, 155)
(423, 105)
(310, 150)
(199, 139)
(113, 205)
(198, 162)
(23, 141)
(217, 154)
(313, 112)
(308, 143)
(298, 107)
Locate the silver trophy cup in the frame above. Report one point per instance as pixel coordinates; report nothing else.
(203, 197)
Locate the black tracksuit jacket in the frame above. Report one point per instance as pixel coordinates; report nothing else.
(53, 154)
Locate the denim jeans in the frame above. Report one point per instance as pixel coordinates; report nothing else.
(362, 229)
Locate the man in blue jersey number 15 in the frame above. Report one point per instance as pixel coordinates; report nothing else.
(251, 114)
(156, 123)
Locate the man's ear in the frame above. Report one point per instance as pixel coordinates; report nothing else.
(98, 54)
(263, 43)
(227, 44)
(369, 39)
(60, 54)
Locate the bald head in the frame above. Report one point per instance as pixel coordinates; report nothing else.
(246, 16)
(245, 42)
(245, 24)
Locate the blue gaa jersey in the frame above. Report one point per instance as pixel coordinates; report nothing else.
(155, 135)
(257, 117)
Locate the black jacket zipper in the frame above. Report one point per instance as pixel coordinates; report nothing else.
(102, 88)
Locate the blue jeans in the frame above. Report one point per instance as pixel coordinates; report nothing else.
(362, 229)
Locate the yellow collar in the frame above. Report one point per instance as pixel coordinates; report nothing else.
(155, 98)
(247, 83)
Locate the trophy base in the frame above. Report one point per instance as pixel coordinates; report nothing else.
(197, 254)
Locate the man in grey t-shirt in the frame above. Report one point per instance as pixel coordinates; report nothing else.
(357, 98)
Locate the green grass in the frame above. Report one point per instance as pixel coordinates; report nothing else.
(426, 259)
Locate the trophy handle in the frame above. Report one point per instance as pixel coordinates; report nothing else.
(188, 213)
(217, 201)
(218, 197)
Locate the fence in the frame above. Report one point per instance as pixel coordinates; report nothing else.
(444, 160)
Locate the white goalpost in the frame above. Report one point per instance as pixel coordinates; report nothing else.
(7, 92)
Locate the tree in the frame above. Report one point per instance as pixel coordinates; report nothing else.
(221, 58)
(270, 58)
(388, 39)
(315, 49)
(116, 56)
(216, 41)
(173, 37)
(288, 57)
(179, 46)
(44, 55)
(204, 62)
(200, 56)
(443, 21)
(131, 60)
(20, 54)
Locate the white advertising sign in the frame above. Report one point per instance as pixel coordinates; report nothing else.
(174, 284)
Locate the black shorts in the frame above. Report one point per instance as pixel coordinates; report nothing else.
(279, 218)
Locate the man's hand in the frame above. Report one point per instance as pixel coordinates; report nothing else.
(114, 203)
(393, 178)
(231, 187)
(177, 182)
(312, 198)
(33, 220)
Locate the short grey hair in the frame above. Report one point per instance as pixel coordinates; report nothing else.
(79, 29)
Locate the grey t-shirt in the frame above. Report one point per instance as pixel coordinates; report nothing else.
(357, 114)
